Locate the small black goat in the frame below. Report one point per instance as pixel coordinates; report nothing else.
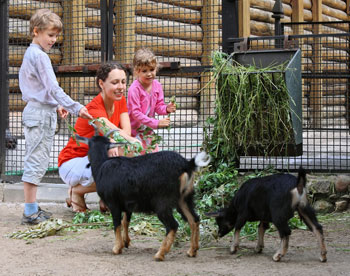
(267, 199)
(152, 183)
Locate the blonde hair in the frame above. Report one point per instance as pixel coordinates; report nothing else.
(144, 57)
(43, 19)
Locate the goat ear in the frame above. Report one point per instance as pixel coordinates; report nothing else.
(81, 139)
(214, 214)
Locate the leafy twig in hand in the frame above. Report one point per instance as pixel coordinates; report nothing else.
(173, 101)
(128, 146)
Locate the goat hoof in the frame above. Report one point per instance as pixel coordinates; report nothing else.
(323, 258)
(233, 250)
(117, 250)
(158, 258)
(258, 250)
(126, 244)
(277, 257)
(191, 253)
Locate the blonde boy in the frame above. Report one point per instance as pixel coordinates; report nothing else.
(44, 99)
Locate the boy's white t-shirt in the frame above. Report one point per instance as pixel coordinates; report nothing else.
(38, 82)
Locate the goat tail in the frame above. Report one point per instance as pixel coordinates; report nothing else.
(301, 182)
(202, 159)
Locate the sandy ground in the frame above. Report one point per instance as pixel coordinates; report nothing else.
(89, 252)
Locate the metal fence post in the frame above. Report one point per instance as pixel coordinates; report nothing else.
(107, 13)
(278, 14)
(230, 28)
(104, 26)
(3, 79)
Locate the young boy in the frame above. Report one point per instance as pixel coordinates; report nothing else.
(44, 98)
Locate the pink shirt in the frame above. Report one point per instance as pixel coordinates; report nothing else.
(140, 103)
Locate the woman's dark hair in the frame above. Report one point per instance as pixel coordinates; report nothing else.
(104, 70)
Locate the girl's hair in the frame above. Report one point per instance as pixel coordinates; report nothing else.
(104, 70)
(144, 57)
(43, 19)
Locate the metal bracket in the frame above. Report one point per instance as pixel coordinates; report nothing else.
(242, 46)
(290, 44)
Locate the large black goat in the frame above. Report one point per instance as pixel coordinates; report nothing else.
(152, 183)
(267, 199)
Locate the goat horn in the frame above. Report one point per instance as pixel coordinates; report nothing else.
(95, 127)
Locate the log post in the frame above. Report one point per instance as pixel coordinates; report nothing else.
(244, 18)
(297, 15)
(316, 84)
(73, 44)
(125, 30)
(210, 26)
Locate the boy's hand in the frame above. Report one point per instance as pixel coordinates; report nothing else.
(84, 113)
(62, 112)
(171, 107)
(164, 122)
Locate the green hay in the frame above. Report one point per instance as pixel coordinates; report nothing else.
(252, 110)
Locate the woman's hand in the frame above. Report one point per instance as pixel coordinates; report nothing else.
(128, 137)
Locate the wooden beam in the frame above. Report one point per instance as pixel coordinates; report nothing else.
(297, 11)
(161, 10)
(73, 44)
(210, 26)
(244, 18)
(316, 84)
(125, 30)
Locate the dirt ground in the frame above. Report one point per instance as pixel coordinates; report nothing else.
(89, 252)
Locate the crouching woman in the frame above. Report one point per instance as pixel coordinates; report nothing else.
(110, 106)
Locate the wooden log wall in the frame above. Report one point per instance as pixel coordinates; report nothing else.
(178, 31)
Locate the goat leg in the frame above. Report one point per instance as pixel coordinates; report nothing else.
(323, 256)
(166, 245)
(125, 233)
(118, 246)
(234, 247)
(282, 250)
(261, 232)
(309, 217)
(192, 252)
(187, 211)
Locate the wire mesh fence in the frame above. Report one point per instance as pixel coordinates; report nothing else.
(325, 74)
(183, 35)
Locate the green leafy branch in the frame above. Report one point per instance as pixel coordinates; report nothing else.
(173, 101)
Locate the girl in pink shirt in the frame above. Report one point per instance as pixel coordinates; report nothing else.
(146, 97)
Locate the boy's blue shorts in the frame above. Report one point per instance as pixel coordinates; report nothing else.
(39, 121)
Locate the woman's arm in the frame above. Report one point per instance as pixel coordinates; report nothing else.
(125, 131)
(125, 123)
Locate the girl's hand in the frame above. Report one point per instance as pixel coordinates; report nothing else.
(164, 122)
(171, 107)
(62, 112)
